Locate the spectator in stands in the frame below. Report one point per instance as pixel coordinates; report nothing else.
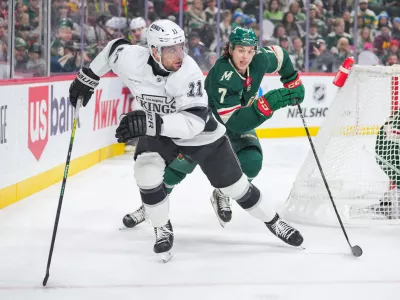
(3, 30)
(26, 34)
(324, 59)
(211, 12)
(64, 34)
(383, 20)
(232, 5)
(382, 41)
(360, 25)
(296, 12)
(171, 7)
(393, 50)
(338, 33)
(341, 52)
(23, 19)
(367, 57)
(196, 15)
(36, 65)
(54, 13)
(347, 22)
(392, 60)
(225, 26)
(237, 19)
(363, 38)
(297, 54)
(313, 37)
(393, 8)
(69, 61)
(284, 43)
(251, 22)
(252, 8)
(21, 55)
(34, 12)
(368, 15)
(321, 27)
(282, 4)
(20, 8)
(196, 48)
(211, 58)
(62, 11)
(279, 31)
(4, 9)
(291, 27)
(396, 28)
(338, 7)
(322, 13)
(152, 14)
(273, 13)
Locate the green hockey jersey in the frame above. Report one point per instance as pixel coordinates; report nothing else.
(387, 146)
(231, 94)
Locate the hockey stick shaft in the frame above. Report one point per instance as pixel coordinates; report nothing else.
(64, 182)
(322, 174)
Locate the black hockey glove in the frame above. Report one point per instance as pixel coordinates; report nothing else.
(83, 85)
(138, 123)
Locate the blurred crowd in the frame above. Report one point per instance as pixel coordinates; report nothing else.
(79, 29)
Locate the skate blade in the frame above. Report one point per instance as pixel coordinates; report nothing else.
(165, 256)
(126, 228)
(222, 223)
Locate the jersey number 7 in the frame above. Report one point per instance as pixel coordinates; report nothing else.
(223, 91)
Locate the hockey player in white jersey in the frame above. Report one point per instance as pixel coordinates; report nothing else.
(175, 118)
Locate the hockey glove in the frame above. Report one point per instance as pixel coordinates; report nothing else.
(138, 123)
(295, 84)
(274, 100)
(83, 85)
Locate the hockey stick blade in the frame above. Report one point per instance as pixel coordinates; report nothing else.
(45, 279)
(355, 250)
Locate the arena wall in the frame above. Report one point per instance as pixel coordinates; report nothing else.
(36, 120)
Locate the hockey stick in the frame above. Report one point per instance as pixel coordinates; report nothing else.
(64, 182)
(356, 250)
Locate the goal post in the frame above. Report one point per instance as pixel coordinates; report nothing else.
(358, 154)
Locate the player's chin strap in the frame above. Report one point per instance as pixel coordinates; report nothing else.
(157, 66)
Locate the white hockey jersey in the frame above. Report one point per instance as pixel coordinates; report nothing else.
(176, 97)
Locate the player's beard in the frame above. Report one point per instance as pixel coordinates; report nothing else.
(174, 66)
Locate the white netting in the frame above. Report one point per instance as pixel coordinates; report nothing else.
(345, 146)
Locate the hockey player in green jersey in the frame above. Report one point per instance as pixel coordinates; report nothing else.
(387, 150)
(232, 86)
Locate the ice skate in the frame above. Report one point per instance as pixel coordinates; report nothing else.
(135, 218)
(164, 241)
(284, 231)
(222, 207)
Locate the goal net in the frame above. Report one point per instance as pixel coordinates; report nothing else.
(358, 146)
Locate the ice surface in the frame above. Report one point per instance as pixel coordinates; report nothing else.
(94, 260)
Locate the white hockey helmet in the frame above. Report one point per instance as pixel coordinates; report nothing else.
(137, 23)
(116, 23)
(163, 33)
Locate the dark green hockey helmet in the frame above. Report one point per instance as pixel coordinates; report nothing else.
(243, 36)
